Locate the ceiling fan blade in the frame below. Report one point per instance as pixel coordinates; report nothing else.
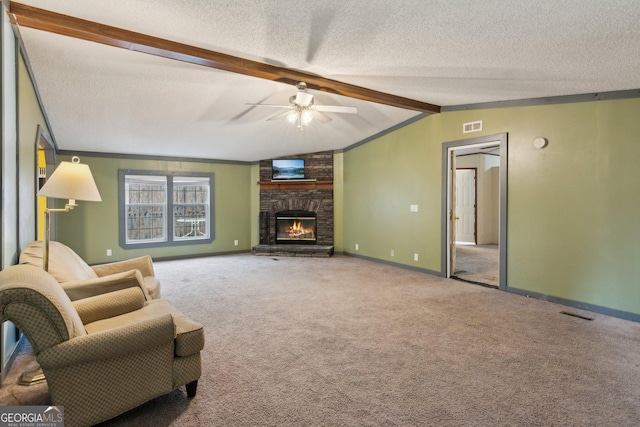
(322, 118)
(242, 114)
(303, 99)
(278, 116)
(271, 105)
(336, 109)
(321, 21)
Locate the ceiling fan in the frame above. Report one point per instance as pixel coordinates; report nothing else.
(303, 109)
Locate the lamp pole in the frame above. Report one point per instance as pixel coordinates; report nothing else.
(47, 230)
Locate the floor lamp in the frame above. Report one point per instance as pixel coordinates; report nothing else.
(74, 181)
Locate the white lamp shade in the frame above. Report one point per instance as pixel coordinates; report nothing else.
(71, 181)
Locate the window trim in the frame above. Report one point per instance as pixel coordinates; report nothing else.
(122, 218)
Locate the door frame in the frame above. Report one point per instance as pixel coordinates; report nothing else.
(446, 245)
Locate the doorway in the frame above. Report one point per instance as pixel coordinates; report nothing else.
(474, 213)
(45, 164)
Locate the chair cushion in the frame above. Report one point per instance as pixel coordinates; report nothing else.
(189, 334)
(110, 304)
(152, 285)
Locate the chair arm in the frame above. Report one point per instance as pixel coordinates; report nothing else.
(110, 344)
(108, 305)
(102, 285)
(143, 263)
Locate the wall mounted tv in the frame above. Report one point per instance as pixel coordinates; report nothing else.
(288, 169)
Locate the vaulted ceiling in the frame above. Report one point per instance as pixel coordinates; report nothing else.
(174, 78)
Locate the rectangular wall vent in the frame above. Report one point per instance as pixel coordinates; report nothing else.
(472, 127)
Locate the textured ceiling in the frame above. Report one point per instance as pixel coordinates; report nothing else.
(104, 99)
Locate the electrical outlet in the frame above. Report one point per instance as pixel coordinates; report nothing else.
(393, 252)
(415, 257)
(415, 208)
(109, 252)
(235, 243)
(357, 247)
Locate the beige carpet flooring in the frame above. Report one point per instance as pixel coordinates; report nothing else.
(343, 341)
(478, 263)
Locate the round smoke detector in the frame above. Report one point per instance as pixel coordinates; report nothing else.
(540, 142)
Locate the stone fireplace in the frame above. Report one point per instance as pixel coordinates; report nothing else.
(314, 207)
(296, 217)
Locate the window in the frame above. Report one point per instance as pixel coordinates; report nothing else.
(190, 208)
(146, 208)
(161, 209)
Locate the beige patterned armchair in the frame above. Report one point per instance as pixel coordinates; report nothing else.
(105, 354)
(80, 280)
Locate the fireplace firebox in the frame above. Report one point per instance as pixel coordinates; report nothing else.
(296, 227)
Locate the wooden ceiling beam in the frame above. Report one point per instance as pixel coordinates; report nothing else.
(40, 19)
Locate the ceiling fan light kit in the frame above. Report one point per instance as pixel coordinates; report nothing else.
(300, 117)
(303, 108)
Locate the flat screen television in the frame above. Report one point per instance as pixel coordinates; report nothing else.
(288, 169)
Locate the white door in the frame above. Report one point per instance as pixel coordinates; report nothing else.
(465, 203)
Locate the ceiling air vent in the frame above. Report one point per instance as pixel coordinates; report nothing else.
(472, 127)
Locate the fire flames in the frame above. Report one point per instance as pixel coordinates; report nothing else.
(297, 230)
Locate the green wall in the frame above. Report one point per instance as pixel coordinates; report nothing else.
(92, 227)
(382, 179)
(573, 209)
(30, 121)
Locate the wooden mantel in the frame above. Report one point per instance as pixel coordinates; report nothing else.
(295, 185)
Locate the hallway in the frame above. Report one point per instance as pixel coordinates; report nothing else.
(478, 264)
